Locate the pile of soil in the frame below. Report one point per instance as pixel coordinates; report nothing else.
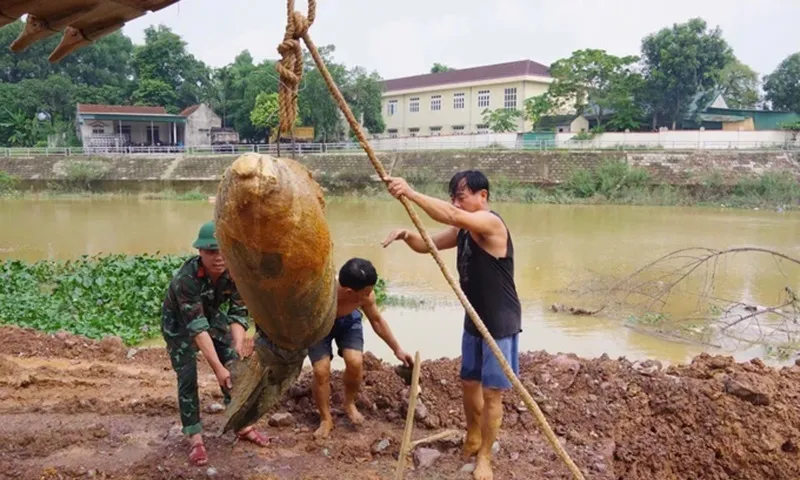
(72, 408)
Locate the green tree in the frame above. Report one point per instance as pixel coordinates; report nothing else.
(783, 85)
(679, 62)
(438, 67)
(501, 120)
(538, 107)
(623, 98)
(265, 114)
(157, 93)
(586, 79)
(739, 85)
(364, 92)
(164, 58)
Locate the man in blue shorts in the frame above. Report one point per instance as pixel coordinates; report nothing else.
(485, 261)
(357, 279)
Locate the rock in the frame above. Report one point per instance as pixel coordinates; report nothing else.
(69, 343)
(563, 362)
(131, 353)
(381, 446)
(91, 473)
(495, 447)
(110, 344)
(281, 420)
(382, 402)
(648, 367)
(599, 467)
(426, 457)
(747, 394)
(62, 335)
(215, 408)
(211, 472)
(468, 468)
(515, 456)
(326, 452)
(420, 411)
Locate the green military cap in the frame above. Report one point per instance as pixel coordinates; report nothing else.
(205, 237)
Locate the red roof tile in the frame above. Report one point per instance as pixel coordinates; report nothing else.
(121, 109)
(189, 110)
(486, 72)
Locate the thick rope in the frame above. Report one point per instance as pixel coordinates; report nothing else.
(296, 28)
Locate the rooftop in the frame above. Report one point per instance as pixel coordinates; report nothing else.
(473, 74)
(120, 109)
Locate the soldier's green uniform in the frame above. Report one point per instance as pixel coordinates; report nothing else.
(192, 305)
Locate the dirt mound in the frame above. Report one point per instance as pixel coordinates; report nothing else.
(712, 418)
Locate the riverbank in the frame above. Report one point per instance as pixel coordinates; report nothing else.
(766, 192)
(712, 418)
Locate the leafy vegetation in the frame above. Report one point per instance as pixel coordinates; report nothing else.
(95, 296)
(162, 72)
(783, 85)
(502, 119)
(8, 183)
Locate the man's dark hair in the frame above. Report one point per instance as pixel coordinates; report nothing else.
(475, 180)
(357, 274)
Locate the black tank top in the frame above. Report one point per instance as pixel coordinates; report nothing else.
(488, 283)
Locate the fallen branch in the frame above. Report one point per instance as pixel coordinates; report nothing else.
(412, 407)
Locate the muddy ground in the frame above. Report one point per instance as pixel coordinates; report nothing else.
(74, 408)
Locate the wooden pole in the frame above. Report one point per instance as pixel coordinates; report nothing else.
(412, 406)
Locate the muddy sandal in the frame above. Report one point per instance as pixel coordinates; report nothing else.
(198, 455)
(251, 435)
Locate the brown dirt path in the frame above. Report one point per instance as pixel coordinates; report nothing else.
(75, 408)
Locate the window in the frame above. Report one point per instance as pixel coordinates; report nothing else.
(483, 98)
(392, 132)
(413, 131)
(98, 129)
(458, 101)
(458, 129)
(436, 131)
(391, 107)
(436, 103)
(413, 105)
(510, 98)
(482, 128)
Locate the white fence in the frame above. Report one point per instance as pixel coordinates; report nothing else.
(670, 140)
(684, 139)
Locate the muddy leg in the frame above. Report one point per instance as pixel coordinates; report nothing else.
(322, 395)
(473, 410)
(352, 384)
(492, 420)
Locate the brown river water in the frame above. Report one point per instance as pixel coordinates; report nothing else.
(554, 245)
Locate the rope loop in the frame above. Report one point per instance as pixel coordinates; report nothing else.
(290, 67)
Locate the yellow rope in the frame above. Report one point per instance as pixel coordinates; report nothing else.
(291, 71)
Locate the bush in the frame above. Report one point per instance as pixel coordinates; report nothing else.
(8, 183)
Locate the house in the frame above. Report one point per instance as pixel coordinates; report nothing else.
(711, 112)
(204, 127)
(452, 102)
(118, 126)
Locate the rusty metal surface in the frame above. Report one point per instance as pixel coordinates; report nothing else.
(81, 21)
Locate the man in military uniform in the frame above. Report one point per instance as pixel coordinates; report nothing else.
(192, 319)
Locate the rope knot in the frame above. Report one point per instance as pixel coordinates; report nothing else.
(290, 68)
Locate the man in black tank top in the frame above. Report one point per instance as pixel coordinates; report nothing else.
(485, 262)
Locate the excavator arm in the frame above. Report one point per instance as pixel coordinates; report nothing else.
(82, 21)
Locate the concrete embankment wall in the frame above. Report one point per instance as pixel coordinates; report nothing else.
(150, 173)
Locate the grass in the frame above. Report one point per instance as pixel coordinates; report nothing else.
(98, 295)
(613, 182)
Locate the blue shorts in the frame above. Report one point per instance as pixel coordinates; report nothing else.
(478, 362)
(348, 333)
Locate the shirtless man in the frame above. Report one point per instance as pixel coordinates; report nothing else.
(485, 260)
(357, 278)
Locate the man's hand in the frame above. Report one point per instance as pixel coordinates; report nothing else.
(399, 234)
(398, 186)
(248, 345)
(238, 334)
(224, 378)
(404, 357)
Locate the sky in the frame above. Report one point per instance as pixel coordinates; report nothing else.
(405, 37)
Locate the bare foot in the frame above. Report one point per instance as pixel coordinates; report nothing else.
(324, 429)
(471, 446)
(483, 469)
(353, 414)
